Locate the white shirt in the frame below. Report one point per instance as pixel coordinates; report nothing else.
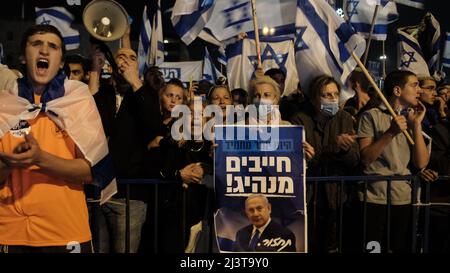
(119, 99)
(261, 229)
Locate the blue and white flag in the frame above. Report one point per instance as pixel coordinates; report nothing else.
(189, 17)
(324, 42)
(61, 19)
(446, 55)
(210, 72)
(360, 14)
(206, 36)
(430, 42)
(276, 52)
(185, 71)
(409, 55)
(222, 57)
(151, 45)
(227, 18)
(419, 4)
(419, 47)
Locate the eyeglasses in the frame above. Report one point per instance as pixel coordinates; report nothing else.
(430, 88)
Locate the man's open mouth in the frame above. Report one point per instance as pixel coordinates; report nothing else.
(42, 65)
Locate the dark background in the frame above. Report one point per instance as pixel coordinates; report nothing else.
(16, 15)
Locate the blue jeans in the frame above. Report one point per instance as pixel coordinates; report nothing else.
(111, 223)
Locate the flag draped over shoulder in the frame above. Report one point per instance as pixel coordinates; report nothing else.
(76, 113)
(324, 42)
(61, 19)
(360, 14)
(276, 52)
(419, 47)
(227, 18)
(151, 44)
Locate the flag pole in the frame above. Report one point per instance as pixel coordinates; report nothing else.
(255, 26)
(369, 39)
(384, 60)
(380, 94)
(23, 10)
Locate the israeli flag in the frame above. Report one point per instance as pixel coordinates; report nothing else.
(446, 56)
(185, 71)
(419, 4)
(189, 17)
(226, 19)
(222, 56)
(61, 19)
(324, 42)
(360, 14)
(430, 42)
(151, 45)
(206, 36)
(419, 47)
(210, 72)
(409, 55)
(276, 52)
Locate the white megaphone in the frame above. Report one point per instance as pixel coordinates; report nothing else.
(105, 20)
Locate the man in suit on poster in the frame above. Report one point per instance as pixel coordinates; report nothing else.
(263, 234)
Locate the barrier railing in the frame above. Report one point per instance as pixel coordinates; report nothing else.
(312, 183)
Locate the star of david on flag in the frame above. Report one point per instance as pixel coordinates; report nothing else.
(237, 14)
(323, 43)
(360, 15)
(61, 19)
(276, 53)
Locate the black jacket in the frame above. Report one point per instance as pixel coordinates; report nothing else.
(269, 240)
(321, 134)
(130, 130)
(440, 161)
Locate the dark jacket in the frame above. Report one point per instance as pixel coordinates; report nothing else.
(440, 161)
(351, 106)
(180, 207)
(274, 231)
(130, 130)
(321, 133)
(291, 104)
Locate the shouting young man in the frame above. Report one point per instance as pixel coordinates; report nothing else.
(51, 142)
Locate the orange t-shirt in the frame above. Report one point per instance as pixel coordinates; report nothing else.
(37, 209)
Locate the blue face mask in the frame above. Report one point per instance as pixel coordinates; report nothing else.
(329, 107)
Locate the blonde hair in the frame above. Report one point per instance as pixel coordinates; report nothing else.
(259, 81)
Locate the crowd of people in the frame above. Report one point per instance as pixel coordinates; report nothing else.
(46, 175)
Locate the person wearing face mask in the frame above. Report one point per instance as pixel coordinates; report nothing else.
(130, 114)
(331, 133)
(264, 93)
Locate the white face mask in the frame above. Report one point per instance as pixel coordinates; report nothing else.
(263, 106)
(329, 107)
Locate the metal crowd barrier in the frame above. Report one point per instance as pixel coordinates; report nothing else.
(415, 205)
